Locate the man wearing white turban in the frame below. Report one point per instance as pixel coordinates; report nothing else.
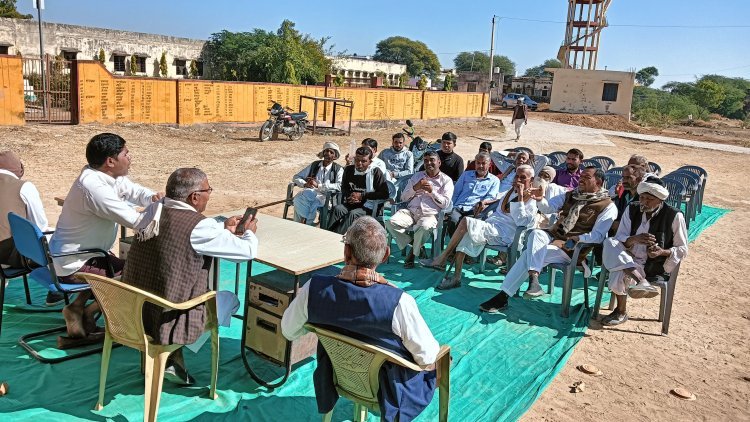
(316, 180)
(650, 241)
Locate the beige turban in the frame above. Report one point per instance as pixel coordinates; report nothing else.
(653, 186)
(330, 145)
(9, 161)
(549, 170)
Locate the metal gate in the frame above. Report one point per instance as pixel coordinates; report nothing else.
(46, 90)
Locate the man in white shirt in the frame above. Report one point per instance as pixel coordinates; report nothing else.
(362, 304)
(586, 214)
(317, 179)
(20, 196)
(171, 255)
(650, 241)
(428, 192)
(517, 208)
(98, 201)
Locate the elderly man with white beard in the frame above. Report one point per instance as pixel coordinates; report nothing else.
(517, 208)
(650, 241)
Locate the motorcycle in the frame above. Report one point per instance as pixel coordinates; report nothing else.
(280, 120)
(418, 146)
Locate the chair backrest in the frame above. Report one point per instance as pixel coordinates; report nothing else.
(524, 149)
(676, 192)
(654, 168)
(356, 365)
(556, 158)
(605, 162)
(615, 170)
(28, 239)
(695, 169)
(691, 181)
(588, 162)
(611, 179)
(122, 306)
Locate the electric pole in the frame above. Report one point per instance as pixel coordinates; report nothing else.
(39, 5)
(492, 56)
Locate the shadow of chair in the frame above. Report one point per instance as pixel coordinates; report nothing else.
(122, 306)
(356, 365)
(32, 244)
(666, 296)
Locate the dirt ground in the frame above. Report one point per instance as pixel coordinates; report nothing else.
(707, 350)
(718, 129)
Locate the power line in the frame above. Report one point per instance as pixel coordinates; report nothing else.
(630, 25)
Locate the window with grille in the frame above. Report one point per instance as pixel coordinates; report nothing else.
(119, 63)
(141, 64)
(610, 92)
(3, 49)
(180, 67)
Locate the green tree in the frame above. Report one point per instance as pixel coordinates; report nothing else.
(477, 61)
(8, 10)
(102, 57)
(736, 102)
(680, 88)
(339, 80)
(263, 56)
(422, 82)
(647, 75)
(163, 70)
(656, 107)
(449, 84)
(402, 80)
(539, 72)
(133, 65)
(417, 57)
(709, 94)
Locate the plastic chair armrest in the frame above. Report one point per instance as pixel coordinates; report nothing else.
(192, 303)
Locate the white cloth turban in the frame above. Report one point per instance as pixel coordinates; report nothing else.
(653, 186)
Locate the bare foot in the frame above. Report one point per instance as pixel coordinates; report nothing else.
(89, 322)
(74, 321)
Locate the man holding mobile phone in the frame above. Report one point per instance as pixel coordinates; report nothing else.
(171, 255)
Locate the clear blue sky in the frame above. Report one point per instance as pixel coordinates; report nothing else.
(680, 54)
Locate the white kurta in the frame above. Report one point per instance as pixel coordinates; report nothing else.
(308, 200)
(617, 258)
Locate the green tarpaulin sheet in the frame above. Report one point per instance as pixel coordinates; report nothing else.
(502, 363)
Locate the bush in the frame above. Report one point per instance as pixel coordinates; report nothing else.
(654, 107)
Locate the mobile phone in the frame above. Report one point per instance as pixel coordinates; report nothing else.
(570, 244)
(250, 213)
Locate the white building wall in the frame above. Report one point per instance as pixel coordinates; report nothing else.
(581, 91)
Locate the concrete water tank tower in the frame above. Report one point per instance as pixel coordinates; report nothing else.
(586, 19)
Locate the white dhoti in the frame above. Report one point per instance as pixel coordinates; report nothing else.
(478, 234)
(538, 253)
(617, 259)
(404, 220)
(517, 125)
(227, 305)
(306, 204)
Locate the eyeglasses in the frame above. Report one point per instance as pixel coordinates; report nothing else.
(209, 190)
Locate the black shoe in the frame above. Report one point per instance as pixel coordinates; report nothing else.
(615, 318)
(496, 304)
(534, 290)
(54, 298)
(178, 375)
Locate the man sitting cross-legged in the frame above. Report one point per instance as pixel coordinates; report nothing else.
(517, 208)
(586, 216)
(428, 192)
(171, 256)
(360, 186)
(650, 241)
(317, 179)
(360, 303)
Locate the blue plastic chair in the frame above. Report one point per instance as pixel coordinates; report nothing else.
(32, 244)
(592, 163)
(611, 179)
(556, 158)
(7, 274)
(606, 163)
(703, 179)
(654, 168)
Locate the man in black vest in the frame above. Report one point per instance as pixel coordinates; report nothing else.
(632, 176)
(317, 179)
(650, 241)
(361, 185)
(171, 256)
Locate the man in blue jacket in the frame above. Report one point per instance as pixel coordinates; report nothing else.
(360, 303)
